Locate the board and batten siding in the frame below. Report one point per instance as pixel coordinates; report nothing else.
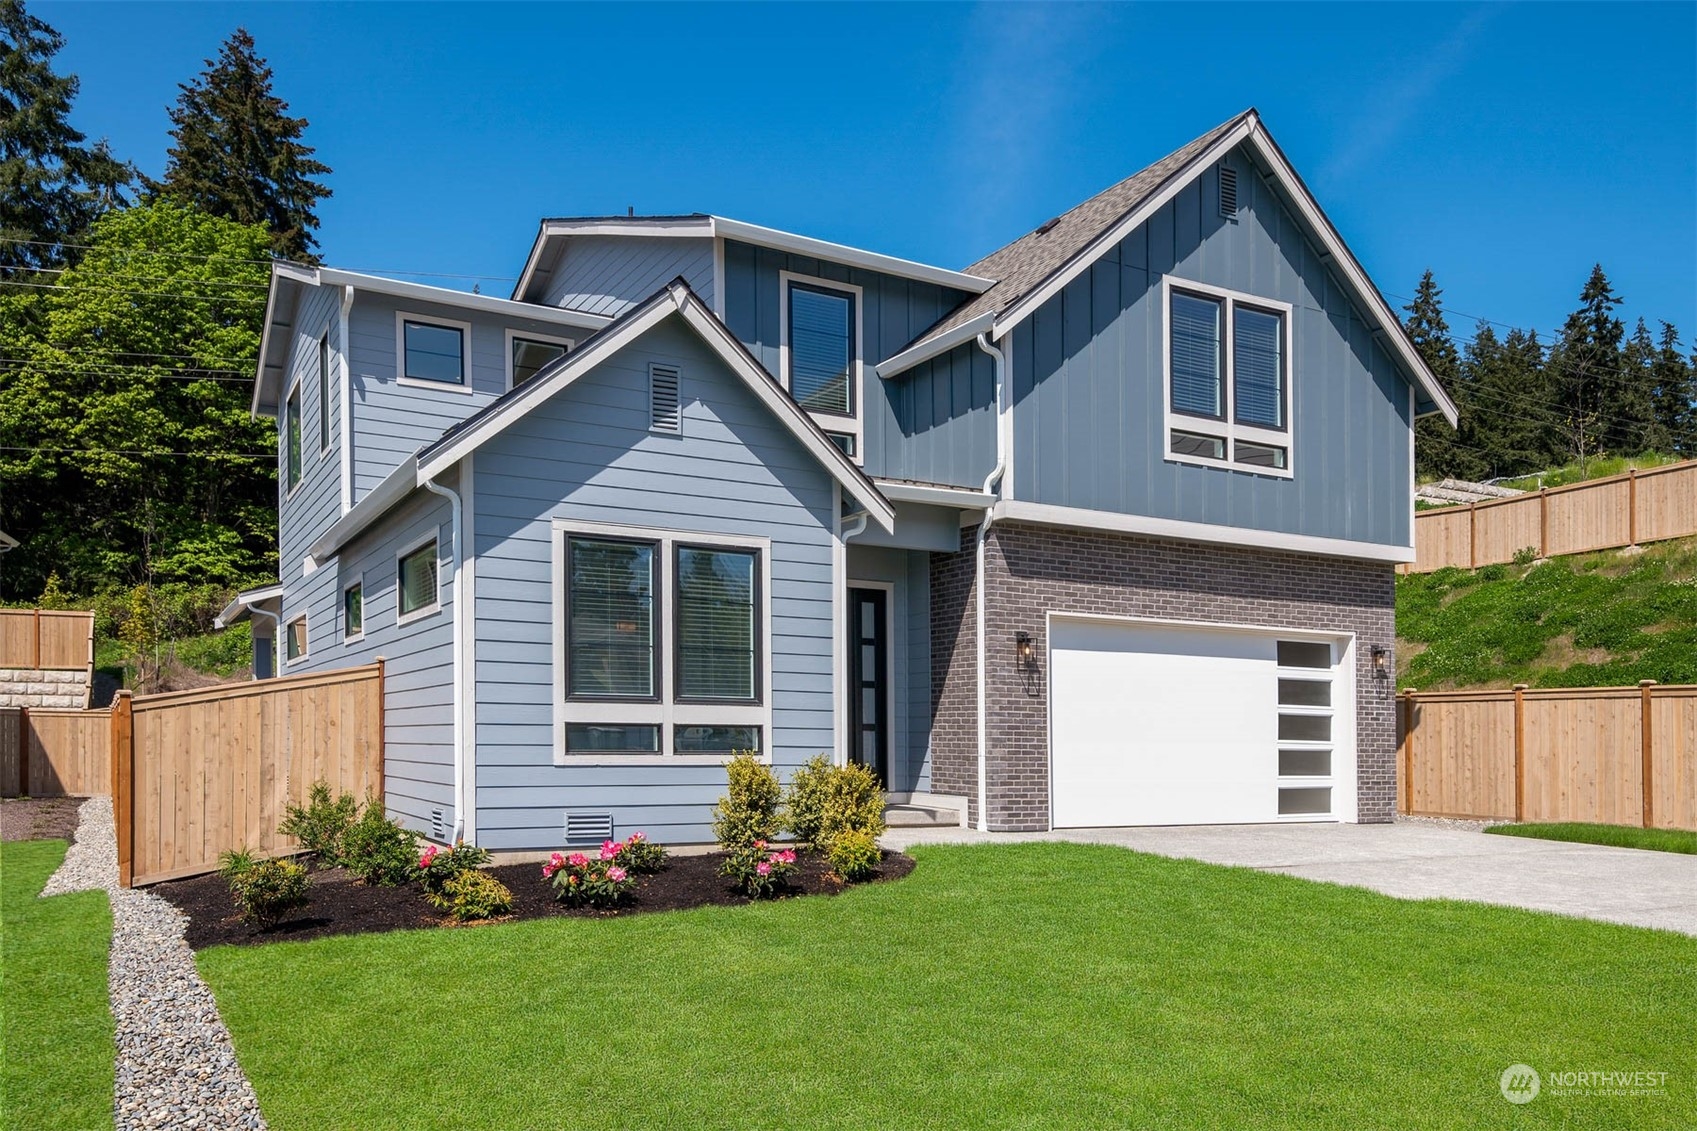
(935, 423)
(909, 572)
(610, 274)
(1089, 382)
(588, 454)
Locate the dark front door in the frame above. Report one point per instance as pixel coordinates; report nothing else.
(868, 685)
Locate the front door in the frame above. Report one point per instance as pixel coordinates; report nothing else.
(868, 685)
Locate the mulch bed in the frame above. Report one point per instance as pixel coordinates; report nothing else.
(341, 905)
(39, 818)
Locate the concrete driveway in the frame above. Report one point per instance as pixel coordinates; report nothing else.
(1413, 860)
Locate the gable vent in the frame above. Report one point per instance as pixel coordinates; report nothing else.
(663, 413)
(1228, 191)
(437, 825)
(588, 828)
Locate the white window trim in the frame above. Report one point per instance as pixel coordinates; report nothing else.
(830, 422)
(325, 442)
(512, 335)
(1228, 430)
(664, 713)
(412, 547)
(342, 616)
(306, 639)
(289, 489)
(402, 317)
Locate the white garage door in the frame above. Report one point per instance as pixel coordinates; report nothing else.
(1161, 725)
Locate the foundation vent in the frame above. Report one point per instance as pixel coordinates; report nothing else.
(588, 828)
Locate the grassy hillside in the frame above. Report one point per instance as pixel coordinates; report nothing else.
(1592, 620)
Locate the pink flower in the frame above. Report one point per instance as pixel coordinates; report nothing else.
(550, 868)
(616, 874)
(787, 856)
(636, 838)
(609, 851)
(577, 860)
(764, 868)
(429, 855)
(760, 844)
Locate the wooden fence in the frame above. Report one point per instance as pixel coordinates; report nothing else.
(1615, 755)
(46, 639)
(199, 773)
(1622, 510)
(54, 753)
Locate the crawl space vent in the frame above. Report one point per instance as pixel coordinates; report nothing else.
(436, 830)
(588, 828)
(663, 398)
(1228, 191)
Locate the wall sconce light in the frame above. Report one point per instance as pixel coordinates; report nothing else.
(1381, 662)
(1024, 650)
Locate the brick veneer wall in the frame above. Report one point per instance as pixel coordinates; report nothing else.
(1034, 570)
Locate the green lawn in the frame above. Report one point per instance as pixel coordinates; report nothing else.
(999, 986)
(56, 1034)
(1619, 836)
(1591, 620)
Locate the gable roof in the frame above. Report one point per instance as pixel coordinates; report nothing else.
(674, 298)
(1032, 269)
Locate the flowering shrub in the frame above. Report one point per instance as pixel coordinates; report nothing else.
(759, 869)
(436, 868)
(581, 881)
(640, 855)
(471, 894)
(854, 854)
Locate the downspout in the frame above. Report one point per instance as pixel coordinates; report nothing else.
(991, 480)
(461, 601)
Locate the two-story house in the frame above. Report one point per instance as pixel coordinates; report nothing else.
(1098, 531)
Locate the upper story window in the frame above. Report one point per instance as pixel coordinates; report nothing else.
(528, 353)
(324, 393)
(432, 351)
(292, 438)
(821, 353)
(417, 581)
(1228, 379)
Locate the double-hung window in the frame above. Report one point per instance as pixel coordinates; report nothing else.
(821, 355)
(1228, 379)
(433, 351)
(659, 644)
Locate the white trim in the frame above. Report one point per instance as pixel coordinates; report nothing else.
(395, 486)
(465, 603)
(447, 296)
(345, 389)
(402, 317)
(513, 335)
(342, 613)
(664, 712)
(240, 603)
(412, 547)
(1228, 429)
(839, 619)
(849, 424)
(719, 278)
(963, 497)
(889, 590)
(1078, 518)
(299, 618)
(941, 344)
(676, 299)
(1412, 436)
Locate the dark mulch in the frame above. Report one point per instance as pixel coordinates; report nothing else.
(341, 905)
(39, 818)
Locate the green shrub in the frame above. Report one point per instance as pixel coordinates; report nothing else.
(235, 862)
(322, 823)
(639, 854)
(758, 869)
(265, 889)
(378, 850)
(476, 895)
(826, 800)
(854, 855)
(582, 881)
(438, 869)
(1526, 555)
(749, 810)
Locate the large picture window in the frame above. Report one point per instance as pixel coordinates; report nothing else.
(1228, 380)
(660, 644)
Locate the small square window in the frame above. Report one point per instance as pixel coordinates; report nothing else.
(531, 354)
(294, 640)
(353, 611)
(418, 580)
(844, 440)
(433, 352)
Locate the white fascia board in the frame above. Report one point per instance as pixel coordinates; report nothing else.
(447, 296)
(244, 601)
(941, 344)
(851, 256)
(698, 226)
(1079, 518)
(397, 485)
(962, 497)
(7, 541)
(279, 296)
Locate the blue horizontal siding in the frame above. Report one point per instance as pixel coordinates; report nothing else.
(610, 274)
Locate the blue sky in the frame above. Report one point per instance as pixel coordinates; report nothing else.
(1506, 147)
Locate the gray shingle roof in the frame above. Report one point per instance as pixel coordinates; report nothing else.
(1023, 265)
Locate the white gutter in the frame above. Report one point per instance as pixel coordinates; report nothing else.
(991, 480)
(941, 344)
(461, 601)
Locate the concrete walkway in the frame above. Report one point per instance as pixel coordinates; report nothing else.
(1415, 861)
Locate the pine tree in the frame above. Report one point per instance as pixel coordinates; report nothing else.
(1439, 450)
(1505, 375)
(239, 155)
(1674, 377)
(1585, 368)
(52, 186)
(1632, 425)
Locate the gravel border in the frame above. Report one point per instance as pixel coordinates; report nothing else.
(176, 1065)
(1447, 822)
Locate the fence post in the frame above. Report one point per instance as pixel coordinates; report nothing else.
(1632, 506)
(1408, 746)
(123, 785)
(1646, 752)
(23, 753)
(1472, 535)
(1520, 752)
(37, 663)
(382, 731)
(1543, 522)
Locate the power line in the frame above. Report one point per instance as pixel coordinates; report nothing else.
(138, 452)
(261, 262)
(252, 301)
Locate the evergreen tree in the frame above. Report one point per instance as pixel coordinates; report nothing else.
(1439, 450)
(1585, 368)
(1674, 378)
(1511, 425)
(1632, 425)
(239, 155)
(52, 186)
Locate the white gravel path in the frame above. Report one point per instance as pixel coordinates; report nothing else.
(176, 1065)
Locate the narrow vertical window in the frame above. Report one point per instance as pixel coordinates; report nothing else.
(324, 393)
(716, 624)
(295, 641)
(292, 438)
(353, 611)
(1258, 368)
(821, 349)
(1198, 363)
